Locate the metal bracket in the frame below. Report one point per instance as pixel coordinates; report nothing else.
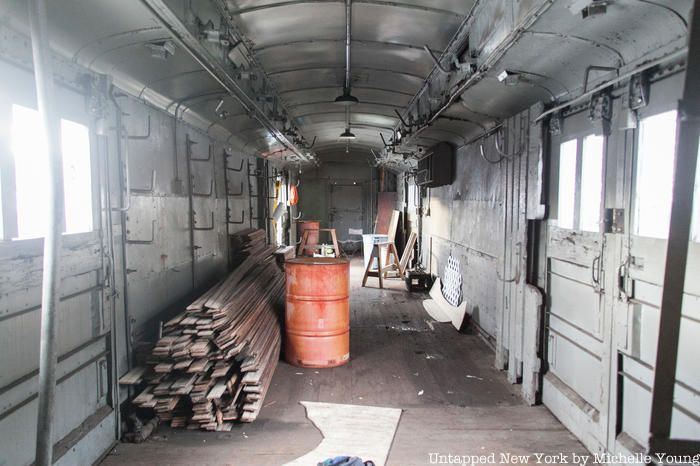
(210, 227)
(207, 194)
(614, 221)
(144, 136)
(239, 169)
(148, 190)
(638, 93)
(236, 222)
(196, 159)
(139, 241)
(600, 108)
(240, 193)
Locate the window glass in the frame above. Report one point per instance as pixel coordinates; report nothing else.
(591, 182)
(654, 175)
(29, 151)
(567, 184)
(77, 178)
(28, 148)
(695, 231)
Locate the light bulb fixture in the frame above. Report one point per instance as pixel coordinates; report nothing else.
(346, 98)
(347, 135)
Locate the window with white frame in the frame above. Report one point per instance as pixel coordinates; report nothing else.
(591, 182)
(580, 190)
(653, 192)
(567, 184)
(654, 175)
(30, 158)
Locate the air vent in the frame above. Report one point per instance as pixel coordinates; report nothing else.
(436, 168)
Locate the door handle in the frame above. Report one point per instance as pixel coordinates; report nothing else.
(595, 272)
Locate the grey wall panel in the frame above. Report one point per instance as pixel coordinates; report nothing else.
(81, 390)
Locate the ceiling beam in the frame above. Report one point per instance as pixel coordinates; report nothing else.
(342, 67)
(367, 88)
(325, 102)
(427, 9)
(367, 43)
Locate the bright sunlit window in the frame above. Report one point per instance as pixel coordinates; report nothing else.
(77, 178)
(654, 177)
(31, 174)
(591, 182)
(567, 184)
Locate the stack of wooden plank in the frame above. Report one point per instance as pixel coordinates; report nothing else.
(216, 359)
(246, 243)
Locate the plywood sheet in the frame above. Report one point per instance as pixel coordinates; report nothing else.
(386, 202)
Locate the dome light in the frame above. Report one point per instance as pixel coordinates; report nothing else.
(347, 135)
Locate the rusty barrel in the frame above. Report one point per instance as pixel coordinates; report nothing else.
(317, 311)
(313, 238)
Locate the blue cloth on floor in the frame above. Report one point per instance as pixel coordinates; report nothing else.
(345, 461)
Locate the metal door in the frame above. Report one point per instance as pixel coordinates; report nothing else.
(640, 277)
(346, 210)
(577, 383)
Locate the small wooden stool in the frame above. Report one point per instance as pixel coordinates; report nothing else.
(381, 271)
(303, 246)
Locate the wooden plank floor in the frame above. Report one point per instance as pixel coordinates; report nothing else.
(454, 401)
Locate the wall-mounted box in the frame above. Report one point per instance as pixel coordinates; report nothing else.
(436, 168)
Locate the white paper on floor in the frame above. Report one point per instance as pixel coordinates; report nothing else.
(435, 311)
(350, 430)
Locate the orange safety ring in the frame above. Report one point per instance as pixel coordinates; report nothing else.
(293, 195)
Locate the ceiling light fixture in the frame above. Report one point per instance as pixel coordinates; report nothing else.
(346, 98)
(347, 135)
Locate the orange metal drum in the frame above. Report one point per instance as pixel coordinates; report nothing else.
(317, 312)
(303, 225)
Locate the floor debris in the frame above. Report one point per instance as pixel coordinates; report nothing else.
(364, 431)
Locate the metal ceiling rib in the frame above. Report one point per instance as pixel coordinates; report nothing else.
(245, 7)
(299, 44)
(306, 62)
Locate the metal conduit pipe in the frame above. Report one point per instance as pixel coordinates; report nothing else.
(677, 54)
(50, 283)
(121, 132)
(348, 39)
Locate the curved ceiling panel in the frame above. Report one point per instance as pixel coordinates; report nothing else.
(293, 22)
(632, 27)
(387, 23)
(300, 45)
(330, 107)
(328, 94)
(323, 77)
(355, 118)
(406, 59)
(302, 55)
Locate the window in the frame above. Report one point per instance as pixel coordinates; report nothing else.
(654, 175)
(580, 208)
(77, 176)
(591, 182)
(31, 174)
(567, 184)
